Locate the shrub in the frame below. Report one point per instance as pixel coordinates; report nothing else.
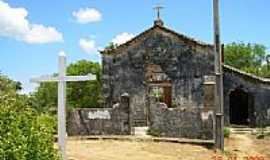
(174, 104)
(48, 121)
(260, 136)
(226, 132)
(24, 135)
(154, 132)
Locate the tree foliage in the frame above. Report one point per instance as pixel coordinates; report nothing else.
(251, 58)
(87, 93)
(44, 100)
(7, 85)
(111, 46)
(79, 94)
(24, 134)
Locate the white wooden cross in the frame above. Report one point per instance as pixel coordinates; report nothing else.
(62, 79)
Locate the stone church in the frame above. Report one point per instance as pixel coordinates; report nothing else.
(176, 68)
(166, 81)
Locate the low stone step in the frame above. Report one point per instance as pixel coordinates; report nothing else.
(243, 129)
(248, 130)
(141, 131)
(139, 122)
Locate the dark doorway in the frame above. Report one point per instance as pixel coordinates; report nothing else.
(241, 104)
(167, 95)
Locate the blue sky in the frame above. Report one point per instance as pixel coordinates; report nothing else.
(34, 32)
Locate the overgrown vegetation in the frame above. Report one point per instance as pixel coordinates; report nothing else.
(226, 132)
(28, 123)
(111, 46)
(260, 136)
(23, 133)
(154, 132)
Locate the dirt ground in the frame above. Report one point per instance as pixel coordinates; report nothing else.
(248, 147)
(237, 147)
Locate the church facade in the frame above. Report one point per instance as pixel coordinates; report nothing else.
(178, 71)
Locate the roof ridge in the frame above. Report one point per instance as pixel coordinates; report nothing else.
(152, 28)
(127, 42)
(262, 79)
(186, 37)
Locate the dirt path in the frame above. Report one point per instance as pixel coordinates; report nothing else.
(132, 150)
(244, 145)
(239, 146)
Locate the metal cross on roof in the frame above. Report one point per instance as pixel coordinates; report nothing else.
(158, 8)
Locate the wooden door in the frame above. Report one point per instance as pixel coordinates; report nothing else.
(167, 95)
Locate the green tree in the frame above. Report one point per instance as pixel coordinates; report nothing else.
(24, 134)
(265, 70)
(8, 85)
(250, 58)
(87, 93)
(79, 94)
(44, 100)
(111, 46)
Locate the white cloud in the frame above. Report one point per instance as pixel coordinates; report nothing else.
(122, 38)
(14, 24)
(41, 34)
(87, 15)
(88, 45)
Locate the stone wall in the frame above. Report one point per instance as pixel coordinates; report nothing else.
(185, 62)
(256, 89)
(100, 121)
(181, 122)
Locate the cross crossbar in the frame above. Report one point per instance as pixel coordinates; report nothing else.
(48, 78)
(61, 111)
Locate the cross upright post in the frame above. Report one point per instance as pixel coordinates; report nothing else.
(158, 8)
(61, 108)
(61, 105)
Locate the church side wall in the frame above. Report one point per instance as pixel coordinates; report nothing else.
(259, 91)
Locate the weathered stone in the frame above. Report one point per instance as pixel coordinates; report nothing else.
(101, 121)
(160, 57)
(185, 62)
(177, 122)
